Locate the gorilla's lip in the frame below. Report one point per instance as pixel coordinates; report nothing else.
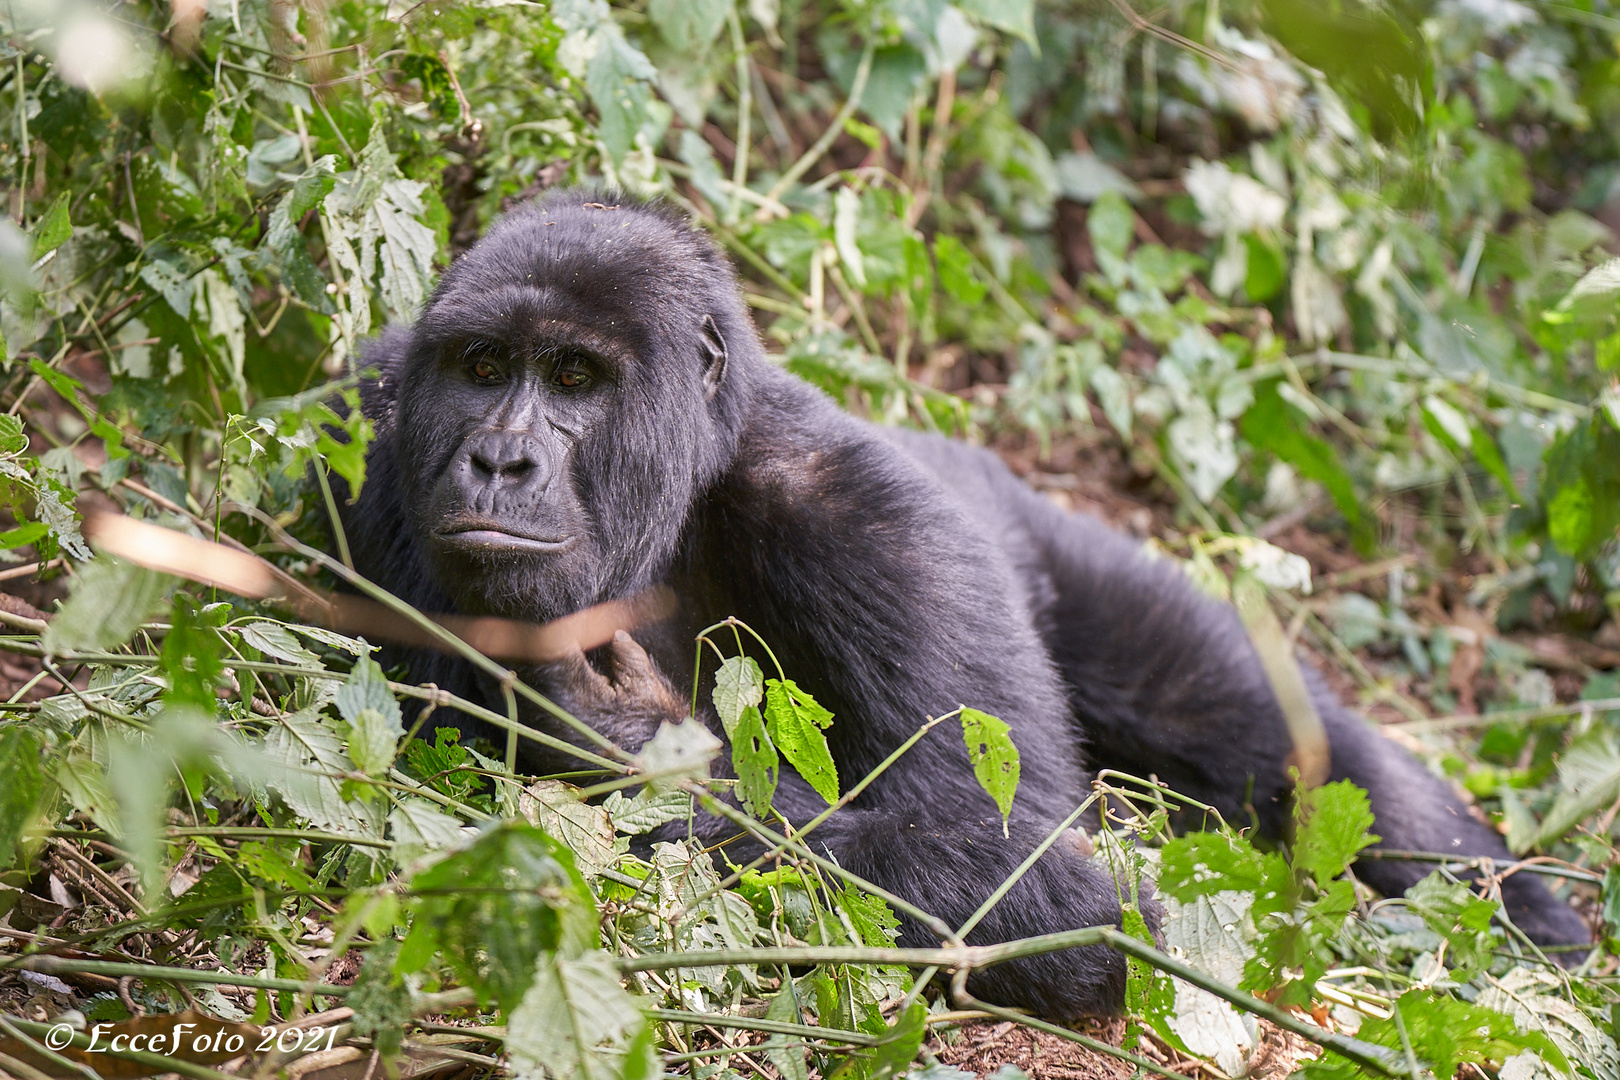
(483, 537)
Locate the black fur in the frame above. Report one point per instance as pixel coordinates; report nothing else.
(896, 576)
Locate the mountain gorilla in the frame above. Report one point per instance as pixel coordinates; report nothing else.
(584, 410)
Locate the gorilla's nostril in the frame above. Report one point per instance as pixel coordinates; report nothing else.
(503, 458)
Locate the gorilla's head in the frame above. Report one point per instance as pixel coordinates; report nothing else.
(577, 379)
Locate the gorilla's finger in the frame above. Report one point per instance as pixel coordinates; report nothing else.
(630, 661)
(575, 674)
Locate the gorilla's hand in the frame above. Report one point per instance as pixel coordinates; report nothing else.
(629, 706)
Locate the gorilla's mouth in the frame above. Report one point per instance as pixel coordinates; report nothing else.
(481, 537)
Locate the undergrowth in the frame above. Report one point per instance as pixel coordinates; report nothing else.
(1338, 266)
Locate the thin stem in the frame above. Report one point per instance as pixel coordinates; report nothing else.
(745, 110)
(332, 512)
(824, 143)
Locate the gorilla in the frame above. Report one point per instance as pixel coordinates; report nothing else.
(583, 410)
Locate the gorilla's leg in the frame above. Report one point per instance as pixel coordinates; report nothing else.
(1175, 689)
(1415, 812)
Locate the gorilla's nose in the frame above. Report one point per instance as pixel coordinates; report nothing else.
(505, 459)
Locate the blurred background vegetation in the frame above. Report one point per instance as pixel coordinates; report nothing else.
(1328, 287)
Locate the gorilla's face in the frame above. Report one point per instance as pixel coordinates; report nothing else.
(553, 415)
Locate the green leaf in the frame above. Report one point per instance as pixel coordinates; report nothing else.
(1016, 17)
(23, 789)
(279, 642)
(1111, 223)
(12, 438)
(783, 1051)
(1268, 269)
(994, 757)
(1149, 995)
(1489, 456)
(1270, 424)
(755, 761)
(191, 655)
(367, 688)
(955, 264)
(1206, 863)
(1570, 514)
(109, 602)
(496, 907)
(1588, 781)
(1452, 910)
(795, 721)
(53, 228)
(1333, 823)
(1443, 1032)
(576, 1022)
(617, 80)
(738, 685)
(689, 25)
(900, 1043)
(874, 923)
(22, 535)
(373, 740)
(381, 1000)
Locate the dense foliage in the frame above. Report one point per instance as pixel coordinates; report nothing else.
(1271, 263)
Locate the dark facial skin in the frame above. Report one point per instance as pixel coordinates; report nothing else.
(543, 479)
(500, 498)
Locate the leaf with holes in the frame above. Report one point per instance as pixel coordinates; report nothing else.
(795, 722)
(754, 758)
(994, 757)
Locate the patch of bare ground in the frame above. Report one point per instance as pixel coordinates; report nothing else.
(983, 1046)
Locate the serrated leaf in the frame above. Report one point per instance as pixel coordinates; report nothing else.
(738, 685)
(419, 827)
(678, 752)
(12, 438)
(1588, 781)
(1207, 863)
(576, 1022)
(1333, 824)
(794, 721)
(785, 1052)
(306, 757)
(373, 740)
(109, 602)
(53, 228)
(994, 758)
(647, 811)
(755, 761)
(23, 788)
(900, 1042)
(366, 688)
(587, 829)
(279, 642)
(497, 906)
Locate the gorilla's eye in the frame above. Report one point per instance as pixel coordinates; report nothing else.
(572, 378)
(484, 371)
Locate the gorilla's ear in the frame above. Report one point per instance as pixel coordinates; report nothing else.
(714, 357)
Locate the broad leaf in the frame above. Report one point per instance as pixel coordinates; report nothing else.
(755, 761)
(994, 757)
(496, 906)
(109, 602)
(738, 685)
(795, 722)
